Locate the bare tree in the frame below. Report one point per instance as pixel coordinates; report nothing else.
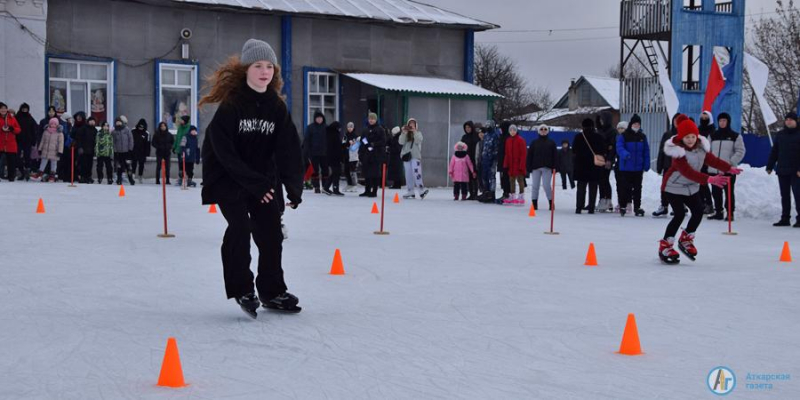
(499, 73)
(775, 40)
(633, 69)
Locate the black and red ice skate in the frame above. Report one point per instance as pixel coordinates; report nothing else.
(686, 245)
(666, 253)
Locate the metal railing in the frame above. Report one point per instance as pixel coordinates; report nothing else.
(641, 95)
(690, 86)
(726, 7)
(644, 17)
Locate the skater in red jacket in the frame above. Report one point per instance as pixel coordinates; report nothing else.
(681, 186)
(514, 161)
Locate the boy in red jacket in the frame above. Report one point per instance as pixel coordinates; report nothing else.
(514, 162)
(9, 129)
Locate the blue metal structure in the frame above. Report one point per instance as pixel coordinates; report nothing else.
(711, 24)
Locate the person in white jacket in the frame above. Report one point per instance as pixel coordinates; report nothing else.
(728, 146)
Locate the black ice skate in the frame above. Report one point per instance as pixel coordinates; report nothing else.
(285, 302)
(249, 304)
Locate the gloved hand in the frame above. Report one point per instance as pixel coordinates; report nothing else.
(734, 171)
(718, 180)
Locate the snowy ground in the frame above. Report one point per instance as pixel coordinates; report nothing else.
(462, 300)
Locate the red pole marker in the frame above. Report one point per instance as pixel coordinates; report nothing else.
(183, 182)
(166, 233)
(553, 207)
(72, 167)
(383, 201)
(730, 212)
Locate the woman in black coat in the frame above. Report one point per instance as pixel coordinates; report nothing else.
(162, 142)
(333, 142)
(394, 171)
(372, 155)
(585, 146)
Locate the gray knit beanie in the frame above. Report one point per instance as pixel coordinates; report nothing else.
(255, 50)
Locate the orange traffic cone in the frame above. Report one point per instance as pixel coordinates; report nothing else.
(212, 209)
(532, 213)
(396, 198)
(786, 254)
(375, 208)
(630, 339)
(337, 268)
(171, 371)
(591, 257)
(40, 207)
(122, 191)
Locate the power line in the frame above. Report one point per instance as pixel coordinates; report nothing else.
(553, 40)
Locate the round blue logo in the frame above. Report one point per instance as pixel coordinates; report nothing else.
(721, 381)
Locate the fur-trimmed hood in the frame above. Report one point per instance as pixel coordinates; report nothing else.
(679, 150)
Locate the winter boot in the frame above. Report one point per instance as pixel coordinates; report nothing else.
(639, 212)
(327, 191)
(285, 302)
(666, 253)
(536, 204)
(336, 191)
(130, 179)
(111, 181)
(249, 304)
(708, 209)
(717, 216)
(686, 245)
(423, 194)
(797, 223)
(550, 204)
(601, 206)
(783, 222)
(463, 197)
(140, 179)
(661, 212)
(623, 210)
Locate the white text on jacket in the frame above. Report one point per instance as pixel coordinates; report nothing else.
(255, 125)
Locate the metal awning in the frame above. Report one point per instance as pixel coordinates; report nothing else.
(418, 84)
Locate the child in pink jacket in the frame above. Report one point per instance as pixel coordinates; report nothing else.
(460, 170)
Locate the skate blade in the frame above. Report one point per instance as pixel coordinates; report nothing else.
(691, 257)
(288, 310)
(250, 313)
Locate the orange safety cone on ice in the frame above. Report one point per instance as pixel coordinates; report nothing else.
(337, 268)
(630, 345)
(396, 198)
(532, 212)
(375, 208)
(122, 191)
(591, 256)
(171, 371)
(40, 207)
(212, 209)
(786, 254)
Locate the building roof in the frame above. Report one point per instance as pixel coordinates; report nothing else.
(549, 115)
(607, 88)
(396, 11)
(418, 84)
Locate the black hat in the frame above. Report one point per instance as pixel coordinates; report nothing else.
(587, 124)
(724, 116)
(185, 119)
(635, 119)
(791, 115)
(90, 119)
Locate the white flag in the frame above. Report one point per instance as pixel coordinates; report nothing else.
(670, 98)
(759, 74)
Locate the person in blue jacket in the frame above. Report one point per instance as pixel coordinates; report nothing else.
(633, 153)
(488, 169)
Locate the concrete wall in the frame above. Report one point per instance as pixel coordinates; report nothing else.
(22, 56)
(441, 134)
(375, 48)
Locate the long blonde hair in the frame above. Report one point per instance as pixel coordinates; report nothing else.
(229, 77)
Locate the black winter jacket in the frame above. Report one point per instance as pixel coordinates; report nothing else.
(542, 153)
(785, 152)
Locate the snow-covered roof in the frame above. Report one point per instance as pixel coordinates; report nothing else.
(548, 115)
(397, 11)
(420, 84)
(606, 87)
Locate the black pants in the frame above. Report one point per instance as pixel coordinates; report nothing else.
(180, 166)
(121, 162)
(705, 192)
(24, 159)
(462, 187)
(138, 161)
(677, 202)
(789, 184)
(716, 193)
(505, 183)
(336, 174)
(189, 170)
(605, 184)
(104, 161)
(564, 176)
(248, 217)
(63, 165)
(11, 164)
(630, 188)
(162, 158)
(664, 202)
(372, 185)
(85, 162)
(580, 199)
(350, 166)
(320, 170)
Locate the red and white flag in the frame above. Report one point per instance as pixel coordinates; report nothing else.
(716, 82)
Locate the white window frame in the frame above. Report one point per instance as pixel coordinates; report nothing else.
(161, 85)
(334, 94)
(109, 82)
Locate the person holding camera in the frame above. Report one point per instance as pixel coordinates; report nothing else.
(411, 154)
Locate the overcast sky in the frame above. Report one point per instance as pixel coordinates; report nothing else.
(552, 64)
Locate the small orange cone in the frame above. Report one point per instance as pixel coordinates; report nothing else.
(591, 257)
(786, 254)
(122, 191)
(171, 371)
(337, 268)
(40, 207)
(630, 339)
(375, 208)
(396, 198)
(212, 209)
(532, 213)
